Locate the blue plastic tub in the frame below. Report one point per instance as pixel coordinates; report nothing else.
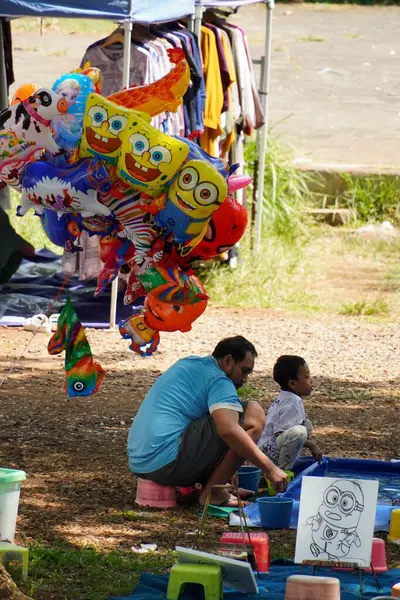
(275, 512)
(249, 478)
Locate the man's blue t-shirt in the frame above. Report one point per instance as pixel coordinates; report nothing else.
(189, 390)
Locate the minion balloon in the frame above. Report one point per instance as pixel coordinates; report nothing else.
(198, 190)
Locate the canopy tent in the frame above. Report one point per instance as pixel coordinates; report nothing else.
(142, 11)
(126, 11)
(262, 133)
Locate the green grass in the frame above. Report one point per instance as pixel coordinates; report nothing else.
(365, 308)
(273, 278)
(311, 38)
(373, 198)
(88, 574)
(29, 226)
(283, 212)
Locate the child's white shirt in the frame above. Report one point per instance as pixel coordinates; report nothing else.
(286, 411)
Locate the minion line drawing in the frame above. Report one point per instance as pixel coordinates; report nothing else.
(334, 527)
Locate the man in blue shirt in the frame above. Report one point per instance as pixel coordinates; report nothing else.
(191, 427)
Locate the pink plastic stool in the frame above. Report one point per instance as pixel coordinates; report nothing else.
(149, 493)
(307, 587)
(396, 591)
(378, 556)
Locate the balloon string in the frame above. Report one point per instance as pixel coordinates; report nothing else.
(35, 332)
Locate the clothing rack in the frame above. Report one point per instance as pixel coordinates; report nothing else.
(262, 133)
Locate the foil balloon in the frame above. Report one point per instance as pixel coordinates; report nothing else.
(93, 73)
(63, 230)
(199, 188)
(24, 92)
(69, 189)
(75, 89)
(173, 315)
(149, 159)
(25, 127)
(144, 339)
(83, 375)
(114, 252)
(104, 127)
(238, 182)
(227, 225)
(165, 94)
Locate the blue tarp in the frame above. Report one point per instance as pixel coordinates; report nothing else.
(388, 475)
(141, 11)
(272, 586)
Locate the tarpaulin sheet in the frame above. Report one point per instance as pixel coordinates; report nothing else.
(272, 585)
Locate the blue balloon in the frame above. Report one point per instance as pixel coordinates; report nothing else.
(62, 231)
(75, 88)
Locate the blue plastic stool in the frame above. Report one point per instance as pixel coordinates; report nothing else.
(209, 576)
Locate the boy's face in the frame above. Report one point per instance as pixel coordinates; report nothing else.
(302, 386)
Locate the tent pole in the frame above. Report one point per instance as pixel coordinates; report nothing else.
(263, 132)
(198, 16)
(4, 193)
(125, 84)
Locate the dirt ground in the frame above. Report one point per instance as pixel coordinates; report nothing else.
(334, 85)
(74, 450)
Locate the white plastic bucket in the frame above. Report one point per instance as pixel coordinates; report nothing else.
(10, 486)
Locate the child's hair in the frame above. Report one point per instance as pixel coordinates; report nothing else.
(286, 368)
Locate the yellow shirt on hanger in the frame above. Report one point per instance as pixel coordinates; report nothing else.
(214, 91)
(231, 136)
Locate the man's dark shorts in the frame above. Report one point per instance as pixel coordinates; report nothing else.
(200, 452)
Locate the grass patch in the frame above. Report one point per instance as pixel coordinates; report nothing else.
(286, 191)
(364, 308)
(88, 574)
(29, 226)
(372, 198)
(271, 279)
(311, 38)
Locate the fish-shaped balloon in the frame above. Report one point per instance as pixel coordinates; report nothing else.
(83, 375)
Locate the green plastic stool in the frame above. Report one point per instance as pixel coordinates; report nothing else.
(209, 576)
(8, 552)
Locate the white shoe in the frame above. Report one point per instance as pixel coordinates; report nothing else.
(38, 324)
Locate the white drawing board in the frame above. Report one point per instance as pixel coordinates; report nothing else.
(235, 573)
(336, 520)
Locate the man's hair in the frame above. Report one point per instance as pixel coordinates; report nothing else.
(236, 346)
(286, 368)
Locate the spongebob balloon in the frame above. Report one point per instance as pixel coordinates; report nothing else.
(145, 340)
(198, 190)
(104, 127)
(149, 158)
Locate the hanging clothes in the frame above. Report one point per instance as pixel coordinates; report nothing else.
(214, 91)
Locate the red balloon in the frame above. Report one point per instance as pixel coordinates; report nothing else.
(226, 227)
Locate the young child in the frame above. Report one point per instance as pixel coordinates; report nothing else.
(287, 430)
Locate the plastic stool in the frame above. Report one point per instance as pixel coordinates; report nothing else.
(307, 587)
(394, 528)
(396, 591)
(149, 493)
(260, 543)
(378, 556)
(8, 552)
(209, 576)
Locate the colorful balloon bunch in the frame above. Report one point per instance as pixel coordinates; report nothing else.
(89, 163)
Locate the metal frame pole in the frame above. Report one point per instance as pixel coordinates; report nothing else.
(125, 83)
(262, 135)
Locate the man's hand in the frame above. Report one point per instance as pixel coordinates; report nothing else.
(278, 479)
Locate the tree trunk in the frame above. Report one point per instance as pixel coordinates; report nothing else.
(8, 589)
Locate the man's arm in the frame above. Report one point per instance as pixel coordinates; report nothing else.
(228, 428)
